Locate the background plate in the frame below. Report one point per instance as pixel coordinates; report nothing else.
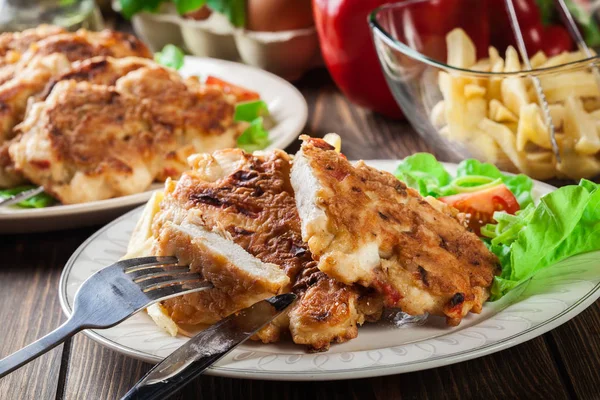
(532, 309)
(286, 104)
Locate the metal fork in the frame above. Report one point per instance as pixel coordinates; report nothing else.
(19, 197)
(110, 296)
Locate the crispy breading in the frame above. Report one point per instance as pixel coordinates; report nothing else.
(249, 199)
(14, 44)
(366, 227)
(90, 142)
(31, 59)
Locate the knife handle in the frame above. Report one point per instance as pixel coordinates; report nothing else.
(168, 387)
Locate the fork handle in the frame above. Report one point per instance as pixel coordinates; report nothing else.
(39, 347)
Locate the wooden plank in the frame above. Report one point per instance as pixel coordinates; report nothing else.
(29, 279)
(577, 343)
(365, 135)
(98, 373)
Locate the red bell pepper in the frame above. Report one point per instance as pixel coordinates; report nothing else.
(349, 52)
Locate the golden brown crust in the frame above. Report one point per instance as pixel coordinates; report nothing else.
(98, 70)
(115, 141)
(250, 199)
(20, 41)
(235, 286)
(416, 246)
(30, 59)
(14, 44)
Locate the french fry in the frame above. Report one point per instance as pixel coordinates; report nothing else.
(511, 60)
(591, 104)
(507, 142)
(474, 91)
(494, 55)
(484, 146)
(495, 84)
(141, 240)
(161, 317)
(573, 165)
(505, 139)
(563, 58)
(499, 113)
(500, 120)
(513, 89)
(581, 127)
(538, 59)
(532, 128)
(557, 113)
(335, 140)
(461, 50)
(483, 65)
(540, 157)
(578, 83)
(445, 132)
(438, 114)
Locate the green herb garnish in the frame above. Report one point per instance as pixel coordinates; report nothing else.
(171, 56)
(38, 201)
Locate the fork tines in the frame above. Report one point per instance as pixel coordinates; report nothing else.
(161, 277)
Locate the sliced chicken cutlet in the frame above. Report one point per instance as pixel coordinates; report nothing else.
(90, 142)
(364, 226)
(249, 199)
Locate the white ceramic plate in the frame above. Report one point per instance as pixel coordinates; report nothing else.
(286, 104)
(380, 349)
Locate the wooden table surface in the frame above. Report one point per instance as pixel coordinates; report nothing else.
(564, 363)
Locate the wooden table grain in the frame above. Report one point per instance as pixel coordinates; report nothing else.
(562, 364)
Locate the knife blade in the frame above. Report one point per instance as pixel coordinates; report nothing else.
(206, 348)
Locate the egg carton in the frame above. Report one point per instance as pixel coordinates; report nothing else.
(288, 54)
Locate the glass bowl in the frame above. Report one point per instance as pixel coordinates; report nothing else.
(481, 104)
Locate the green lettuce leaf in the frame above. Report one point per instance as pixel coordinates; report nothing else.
(423, 172)
(250, 110)
(565, 222)
(38, 201)
(255, 137)
(171, 56)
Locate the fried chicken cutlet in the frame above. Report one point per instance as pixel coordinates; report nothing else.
(40, 61)
(249, 200)
(365, 226)
(14, 44)
(97, 70)
(90, 142)
(18, 50)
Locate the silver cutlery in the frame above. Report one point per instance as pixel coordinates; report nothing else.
(206, 348)
(19, 197)
(110, 296)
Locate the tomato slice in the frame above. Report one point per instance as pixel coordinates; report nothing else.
(241, 94)
(480, 206)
